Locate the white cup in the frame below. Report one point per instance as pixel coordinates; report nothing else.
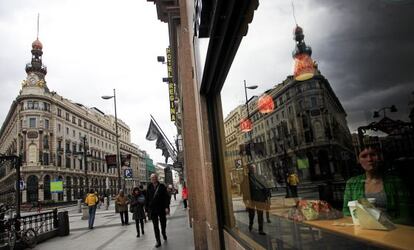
(352, 209)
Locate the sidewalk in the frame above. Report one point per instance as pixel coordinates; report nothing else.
(108, 233)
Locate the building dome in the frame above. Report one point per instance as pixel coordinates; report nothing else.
(37, 44)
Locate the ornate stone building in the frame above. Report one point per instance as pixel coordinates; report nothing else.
(54, 135)
(308, 125)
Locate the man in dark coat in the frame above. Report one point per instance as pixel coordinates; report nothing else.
(255, 196)
(157, 205)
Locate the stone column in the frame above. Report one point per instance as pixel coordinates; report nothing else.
(197, 162)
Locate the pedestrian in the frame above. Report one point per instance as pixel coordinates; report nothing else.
(184, 195)
(98, 204)
(157, 206)
(122, 204)
(144, 192)
(175, 193)
(293, 181)
(91, 200)
(255, 196)
(137, 209)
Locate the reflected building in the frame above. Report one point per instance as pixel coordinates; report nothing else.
(58, 139)
(307, 132)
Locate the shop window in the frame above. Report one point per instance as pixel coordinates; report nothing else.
(297, 157)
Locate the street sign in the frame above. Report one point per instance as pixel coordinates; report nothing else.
(128, 173)
(22, 185)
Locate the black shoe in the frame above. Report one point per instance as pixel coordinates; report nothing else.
(158, 244)
(269, 221)
(123, 223)
(143, 232)
(250, 227)
(137, 235)
(262, 233)
(164, 236)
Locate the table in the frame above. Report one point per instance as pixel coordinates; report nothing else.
(400, 238)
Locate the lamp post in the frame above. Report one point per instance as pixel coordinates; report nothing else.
(84, 138)
(392, 109)
(248, 112)
(118, 155)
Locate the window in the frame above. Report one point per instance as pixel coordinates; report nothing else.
(317, 147)
(29, 104)
(46, 124)
(59, 112)
(67, 116)
(67, 131)
(67, 162)
(46, 106)
(32, 122)
(45, 159)
(45, 142)
(59, 127)
(59, 160)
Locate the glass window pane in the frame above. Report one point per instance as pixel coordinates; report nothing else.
(343, 134)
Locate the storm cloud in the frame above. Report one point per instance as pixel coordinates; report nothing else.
(364, 48)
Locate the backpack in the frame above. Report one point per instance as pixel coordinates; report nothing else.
(91, 200)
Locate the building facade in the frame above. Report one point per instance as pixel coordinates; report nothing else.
(58, 139)
(308, 124)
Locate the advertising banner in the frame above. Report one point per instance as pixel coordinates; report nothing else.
(56, 186)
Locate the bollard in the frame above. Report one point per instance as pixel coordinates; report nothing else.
(85, 212)
(79, 206)
(106, 201)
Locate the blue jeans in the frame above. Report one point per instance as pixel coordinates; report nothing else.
(91, 220)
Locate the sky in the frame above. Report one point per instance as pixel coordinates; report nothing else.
(364, 48)
(90, 48)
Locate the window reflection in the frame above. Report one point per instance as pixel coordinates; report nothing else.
(307, 147)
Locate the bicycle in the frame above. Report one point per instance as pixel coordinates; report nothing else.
(9, 230)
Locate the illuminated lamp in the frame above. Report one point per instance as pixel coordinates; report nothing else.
(246, 125)
(304, 67)
(266, 104)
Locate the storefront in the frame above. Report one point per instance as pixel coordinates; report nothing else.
(246, 155)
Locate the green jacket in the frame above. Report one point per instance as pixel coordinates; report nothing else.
(397, 196)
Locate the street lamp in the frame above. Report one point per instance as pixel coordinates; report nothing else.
(392, 108)
(246, 103)
(118, 155)
(247, 121)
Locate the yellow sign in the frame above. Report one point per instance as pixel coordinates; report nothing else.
(171, 86)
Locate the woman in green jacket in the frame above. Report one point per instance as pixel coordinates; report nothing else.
(388, 191)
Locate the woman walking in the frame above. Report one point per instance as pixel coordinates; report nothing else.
(184, 195)
(122, 207)
(137, 208)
